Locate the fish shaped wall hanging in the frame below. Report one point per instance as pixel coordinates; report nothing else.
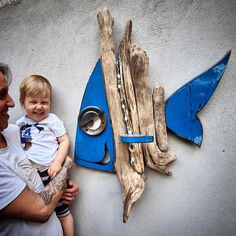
(122, 122)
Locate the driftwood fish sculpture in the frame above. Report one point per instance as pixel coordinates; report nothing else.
(124, 120)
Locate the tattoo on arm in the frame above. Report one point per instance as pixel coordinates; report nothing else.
(67, 163)
(57, 184)
(47, 195)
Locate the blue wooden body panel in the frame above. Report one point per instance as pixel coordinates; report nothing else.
(182, 107)
(91, 150)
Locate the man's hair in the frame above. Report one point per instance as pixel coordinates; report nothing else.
(35, 85)
(5, 69)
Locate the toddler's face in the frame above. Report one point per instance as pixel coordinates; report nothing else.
(37, 107)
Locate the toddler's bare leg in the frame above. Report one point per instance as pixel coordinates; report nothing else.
(67, 223)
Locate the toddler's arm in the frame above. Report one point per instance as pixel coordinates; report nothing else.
(61, 155)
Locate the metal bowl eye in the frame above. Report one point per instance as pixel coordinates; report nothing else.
(92, 120)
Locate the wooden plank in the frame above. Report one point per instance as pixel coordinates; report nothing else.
(124, 53)
(153, 156)
(159, 118)
(132, 183)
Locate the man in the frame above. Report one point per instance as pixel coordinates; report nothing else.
(26, 206)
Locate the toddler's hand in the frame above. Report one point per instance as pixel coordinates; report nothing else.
(54, 169)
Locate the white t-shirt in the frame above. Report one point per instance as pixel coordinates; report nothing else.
(16, 171)
(43, 137)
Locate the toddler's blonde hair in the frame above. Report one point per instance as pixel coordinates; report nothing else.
(35, 85)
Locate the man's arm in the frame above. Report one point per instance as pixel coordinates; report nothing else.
(38, 207)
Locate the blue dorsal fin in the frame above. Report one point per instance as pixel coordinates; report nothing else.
(182, 107)
(90, 150)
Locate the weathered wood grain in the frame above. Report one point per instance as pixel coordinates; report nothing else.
(124, 54)
(154, 157)
(159, 118)
(132, 183)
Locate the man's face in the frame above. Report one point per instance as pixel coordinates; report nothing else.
(5, 102)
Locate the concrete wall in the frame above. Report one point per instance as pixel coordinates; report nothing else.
(60, 40)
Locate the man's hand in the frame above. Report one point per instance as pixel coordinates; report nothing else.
(70, 192)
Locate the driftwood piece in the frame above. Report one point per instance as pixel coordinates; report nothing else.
(131, 182)
(159, 117)
(124, 54)
(139, 64)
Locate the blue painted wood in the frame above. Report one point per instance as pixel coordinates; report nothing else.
(90, 150)
(182, 107)
(135, 138)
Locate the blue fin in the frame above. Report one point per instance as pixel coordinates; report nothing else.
(90, 150)
(182, 107)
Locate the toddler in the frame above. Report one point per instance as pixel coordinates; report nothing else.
(44, 137)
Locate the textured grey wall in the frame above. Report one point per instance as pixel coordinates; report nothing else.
(60, 39)
(8, 2)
